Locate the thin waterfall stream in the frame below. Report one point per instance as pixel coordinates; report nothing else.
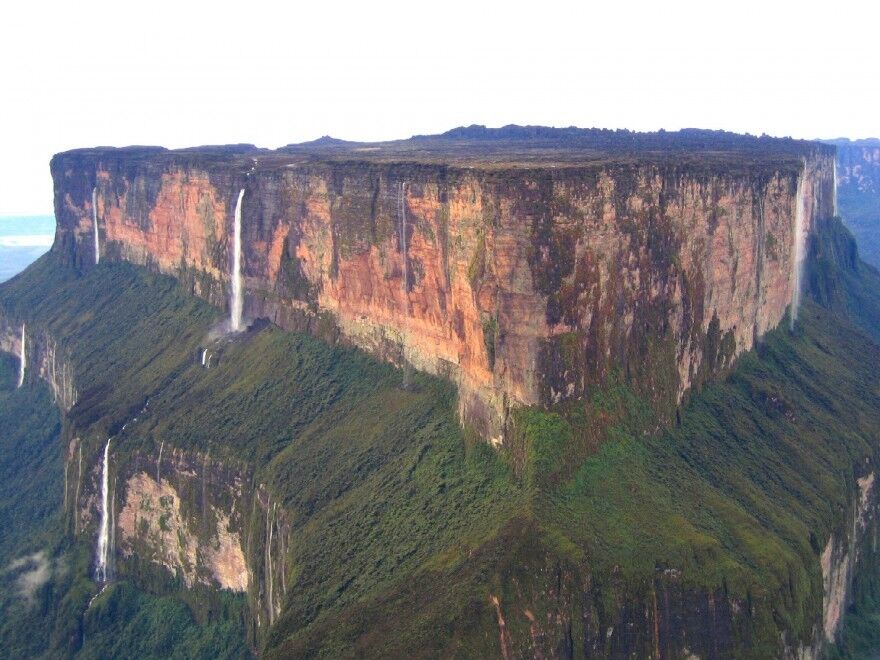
(95, 225)
(799, 240)
(22, 363)
(236, 304)
(102, 574)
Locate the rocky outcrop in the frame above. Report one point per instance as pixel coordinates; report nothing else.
(524, 283)
(841, 557)
(188, 516)
(44, 359)
(151, 521)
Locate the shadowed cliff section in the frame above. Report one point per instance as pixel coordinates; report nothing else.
(858, 192)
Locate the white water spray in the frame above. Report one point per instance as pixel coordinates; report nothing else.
(22, 363)
(799, 240)
(102, 572)
(95, 224)
(236, 305)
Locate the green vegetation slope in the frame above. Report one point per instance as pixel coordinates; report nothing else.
(594, 532)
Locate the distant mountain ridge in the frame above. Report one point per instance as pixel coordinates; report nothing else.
(618, 139)
(859, 142)
(858, 192)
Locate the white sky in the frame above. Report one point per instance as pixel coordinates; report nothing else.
(186, 73)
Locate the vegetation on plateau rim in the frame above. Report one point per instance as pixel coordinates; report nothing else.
(406, 527)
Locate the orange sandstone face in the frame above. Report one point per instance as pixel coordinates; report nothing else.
(525, 286)
(185, 224)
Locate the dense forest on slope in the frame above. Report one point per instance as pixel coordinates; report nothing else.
(412, 536)
(734, 499)
(46, 606)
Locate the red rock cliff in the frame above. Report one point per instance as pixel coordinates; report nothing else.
(526, 278)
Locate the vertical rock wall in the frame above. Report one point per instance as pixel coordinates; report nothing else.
(525, 285)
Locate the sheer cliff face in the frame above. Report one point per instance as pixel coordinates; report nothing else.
(44, 360)
(197, 518)
(524, 285)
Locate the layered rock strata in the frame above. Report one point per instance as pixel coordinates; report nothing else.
(524, 282)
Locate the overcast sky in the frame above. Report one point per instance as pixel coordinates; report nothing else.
(181, 74)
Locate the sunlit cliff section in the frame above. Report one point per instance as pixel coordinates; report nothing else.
(526, 264)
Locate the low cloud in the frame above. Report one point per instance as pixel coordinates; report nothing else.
(35, 571)
(27, 240)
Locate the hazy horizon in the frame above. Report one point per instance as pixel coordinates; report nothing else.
(23, 239)
(197, 74)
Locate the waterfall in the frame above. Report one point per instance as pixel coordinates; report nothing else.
(204, 356)
(102, 573)
(66, 466)
(270, 520)
(22, 363)
(236, 303)
(92, 600)
(834, 187)
(799, 240)
(159, 463)
(79, 474)
(95, 225)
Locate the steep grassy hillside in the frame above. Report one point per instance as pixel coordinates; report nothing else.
(44, 580)
(593, 533)
(329, 429)
(840, 281)
(46, 604)
(29, 445)
(734, 500)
